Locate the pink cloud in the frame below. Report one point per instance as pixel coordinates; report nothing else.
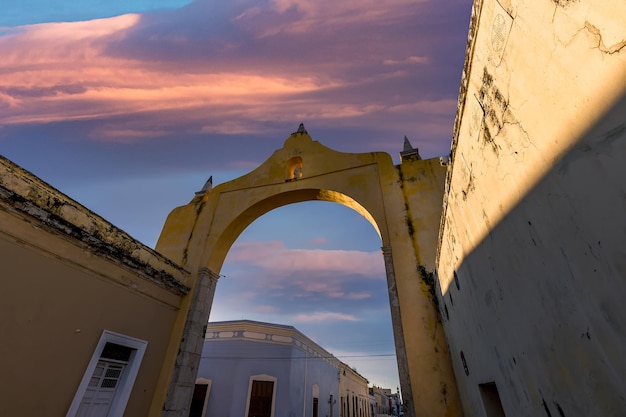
(362, 295)
(266, 309)
(323, 317)
(251, 68)
(409, 60)
(122, 134)
(274, 256)
(323, 13)
(319, 241)
(41, 62)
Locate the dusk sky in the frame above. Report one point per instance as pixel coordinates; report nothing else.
(128, 106)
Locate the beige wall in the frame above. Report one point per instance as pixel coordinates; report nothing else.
(534, 224)
(60, 291)
(353, 385)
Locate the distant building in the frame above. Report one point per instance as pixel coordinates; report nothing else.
(396, 403)
(259, 369)
(380, 404)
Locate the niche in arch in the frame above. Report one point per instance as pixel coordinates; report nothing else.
(294, 169)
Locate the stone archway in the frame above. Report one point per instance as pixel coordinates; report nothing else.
(199, 235)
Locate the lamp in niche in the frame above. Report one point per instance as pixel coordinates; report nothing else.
(294, 169)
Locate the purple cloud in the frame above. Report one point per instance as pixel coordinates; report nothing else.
(211, 68)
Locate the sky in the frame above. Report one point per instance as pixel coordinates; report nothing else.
(128, 106)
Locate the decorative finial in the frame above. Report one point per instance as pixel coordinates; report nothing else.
(409, 152)
(208, 185)
(407, 144)
(301, 129)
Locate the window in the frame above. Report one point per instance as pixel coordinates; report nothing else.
(491, 399)
(261, 394)
(200, 398)
(109, 378)
(315, 394)
(342, 412)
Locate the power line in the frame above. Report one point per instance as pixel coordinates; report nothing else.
(380, 355)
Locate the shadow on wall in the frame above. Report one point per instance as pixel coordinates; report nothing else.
(536, 314)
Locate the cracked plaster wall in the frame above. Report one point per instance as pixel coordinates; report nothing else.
(531, 254)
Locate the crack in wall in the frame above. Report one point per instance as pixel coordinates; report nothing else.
(597, 34)
(616, 48)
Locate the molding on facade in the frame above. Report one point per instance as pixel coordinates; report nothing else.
(27, 196)
(276, 334)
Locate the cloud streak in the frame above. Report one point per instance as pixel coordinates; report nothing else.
(275, 257)
(324, 317)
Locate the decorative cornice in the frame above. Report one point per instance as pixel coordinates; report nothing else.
(268, 333)
(213, 276)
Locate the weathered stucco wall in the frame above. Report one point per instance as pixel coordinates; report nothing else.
(422, 183)
(66, 276)
(532, 257)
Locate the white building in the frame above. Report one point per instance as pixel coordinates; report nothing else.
(270, 370)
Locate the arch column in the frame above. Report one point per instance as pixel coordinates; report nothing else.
(183, 380)
(398, 334)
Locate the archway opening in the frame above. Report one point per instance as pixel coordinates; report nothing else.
(316, 266)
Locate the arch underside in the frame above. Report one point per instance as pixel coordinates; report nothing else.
(254, 211)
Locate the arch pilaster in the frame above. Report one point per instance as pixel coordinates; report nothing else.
(190, 351)
(398, 332)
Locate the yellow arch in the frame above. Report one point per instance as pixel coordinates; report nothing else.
(354, 180)
(199, 235)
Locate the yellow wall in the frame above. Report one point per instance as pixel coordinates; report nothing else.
(59, 292)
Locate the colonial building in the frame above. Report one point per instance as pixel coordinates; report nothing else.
(381, 406)
(88, 313)
(259, 369)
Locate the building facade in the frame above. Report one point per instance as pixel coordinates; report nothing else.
(381, 405)
(532, 259)
(88, 313)
(259, 369)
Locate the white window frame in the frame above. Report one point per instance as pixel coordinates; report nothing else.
(262, 377)
(128, 376)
